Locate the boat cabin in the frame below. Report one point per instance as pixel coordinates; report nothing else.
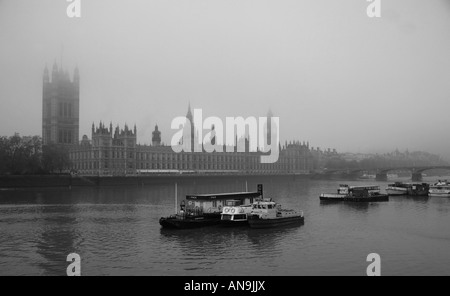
(400, 185)
(265, 204)
(268, 209)
(235, 210)
(441, 185)
(265, 207)
(358, 191)
(214, 203)
(343, 189)
(364, 191)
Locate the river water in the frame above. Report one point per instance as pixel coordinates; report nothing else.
(115, 230)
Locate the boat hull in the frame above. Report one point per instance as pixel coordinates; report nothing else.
(418, 193)
(397, 191)
(256, 222)
(177, 223)
(440, 189)
(232, 223)
(408, 189)
(340, 198)
(439, 194)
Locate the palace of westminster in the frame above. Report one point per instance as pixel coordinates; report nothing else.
(114, 151)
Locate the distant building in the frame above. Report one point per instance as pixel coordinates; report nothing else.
(110, 152)
(60, 107)
(156, 137)
(113, 153)
(322, 157)
(355, 156)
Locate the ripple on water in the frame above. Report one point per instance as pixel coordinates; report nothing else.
(116, 232)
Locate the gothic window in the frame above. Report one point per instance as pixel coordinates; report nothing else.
(65, 109)
(49, 110)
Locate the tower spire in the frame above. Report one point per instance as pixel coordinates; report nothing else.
(46, 76)
(156, 137)
(62, 51)
(189, 113)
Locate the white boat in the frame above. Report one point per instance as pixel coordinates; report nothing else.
(201, 210)
(266, 213)
(234, 213)
(440, 189)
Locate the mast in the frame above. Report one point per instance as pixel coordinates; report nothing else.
(176, 197)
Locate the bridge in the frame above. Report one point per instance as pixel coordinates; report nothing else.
(417, 172)
(382, 173)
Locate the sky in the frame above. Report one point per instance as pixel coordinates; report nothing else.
(334, 76)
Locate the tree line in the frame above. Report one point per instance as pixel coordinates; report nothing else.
(388, 160)
(27, 156)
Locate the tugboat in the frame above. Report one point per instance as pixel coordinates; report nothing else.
(356, 194)
(440, 189)
(266, 213)
(410, 189)
(205, 209)
(235, 214)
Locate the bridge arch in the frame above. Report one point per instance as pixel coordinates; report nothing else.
(381, 174)
(414, 169)
(385, 171)
(446, 168)
(416, 172)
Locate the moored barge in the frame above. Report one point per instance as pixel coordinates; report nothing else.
(202, 210)
(356, 194)
(411, 189)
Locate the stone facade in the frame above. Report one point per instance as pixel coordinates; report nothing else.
(115, 153)
(60, 107)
